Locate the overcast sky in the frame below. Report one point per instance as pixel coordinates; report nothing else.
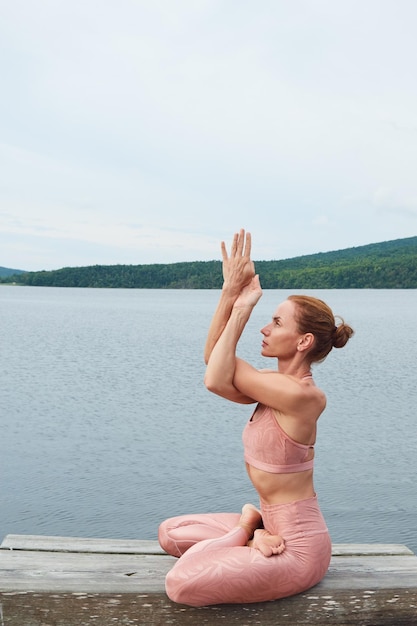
(146, 131)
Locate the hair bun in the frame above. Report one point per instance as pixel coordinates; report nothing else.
(341, 334)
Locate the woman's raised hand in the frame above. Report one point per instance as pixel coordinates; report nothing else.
(250, 294)
(238, 268)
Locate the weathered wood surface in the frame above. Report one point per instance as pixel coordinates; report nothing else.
(68, 579)
(70, 564)
(143, 546)
(80, 544)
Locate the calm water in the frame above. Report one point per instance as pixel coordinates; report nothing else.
(106, 427)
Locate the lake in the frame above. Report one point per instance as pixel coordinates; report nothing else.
(106, 427)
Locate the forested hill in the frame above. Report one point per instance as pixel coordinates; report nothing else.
(386, 265)
(7, 271)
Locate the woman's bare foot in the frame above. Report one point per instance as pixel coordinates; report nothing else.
(266, 543)
(251, 519)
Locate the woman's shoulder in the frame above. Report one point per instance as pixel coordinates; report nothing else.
(303, 398)
(303, 386)
(290, 394)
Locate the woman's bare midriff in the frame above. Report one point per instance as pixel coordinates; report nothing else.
(281, 488)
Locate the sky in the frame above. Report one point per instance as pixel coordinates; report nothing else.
(147, 131)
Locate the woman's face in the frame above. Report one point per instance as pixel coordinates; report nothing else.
(281, 335)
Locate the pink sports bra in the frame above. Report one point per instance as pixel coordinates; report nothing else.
(267, 447)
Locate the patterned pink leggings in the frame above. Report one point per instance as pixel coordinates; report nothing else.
(217, 567)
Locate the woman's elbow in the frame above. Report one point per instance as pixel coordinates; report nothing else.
(225, 390)
(216, 385)
(211, 384)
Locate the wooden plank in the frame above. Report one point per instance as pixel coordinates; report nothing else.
(124, 573)
(138, 546)
(365, 584)
(69, 579)
(382, 608)
(83, 572)
(369, 549)
(80, 544)
(371, 572)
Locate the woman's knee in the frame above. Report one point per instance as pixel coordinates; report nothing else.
(181, 591)
(164, 539)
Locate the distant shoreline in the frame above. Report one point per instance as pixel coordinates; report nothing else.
(387, 265)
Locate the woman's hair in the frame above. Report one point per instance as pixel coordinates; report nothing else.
(316, 317)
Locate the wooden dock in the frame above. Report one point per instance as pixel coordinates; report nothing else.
(64, 581)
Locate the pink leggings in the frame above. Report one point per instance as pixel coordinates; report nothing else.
(217, 567)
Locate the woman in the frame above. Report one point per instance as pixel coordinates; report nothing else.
(283, 548)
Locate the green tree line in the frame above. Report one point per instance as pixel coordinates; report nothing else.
(386, 265)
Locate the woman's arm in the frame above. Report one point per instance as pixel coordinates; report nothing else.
(238, 271)
(221, 366)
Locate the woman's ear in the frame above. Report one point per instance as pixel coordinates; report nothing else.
(305, 342)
